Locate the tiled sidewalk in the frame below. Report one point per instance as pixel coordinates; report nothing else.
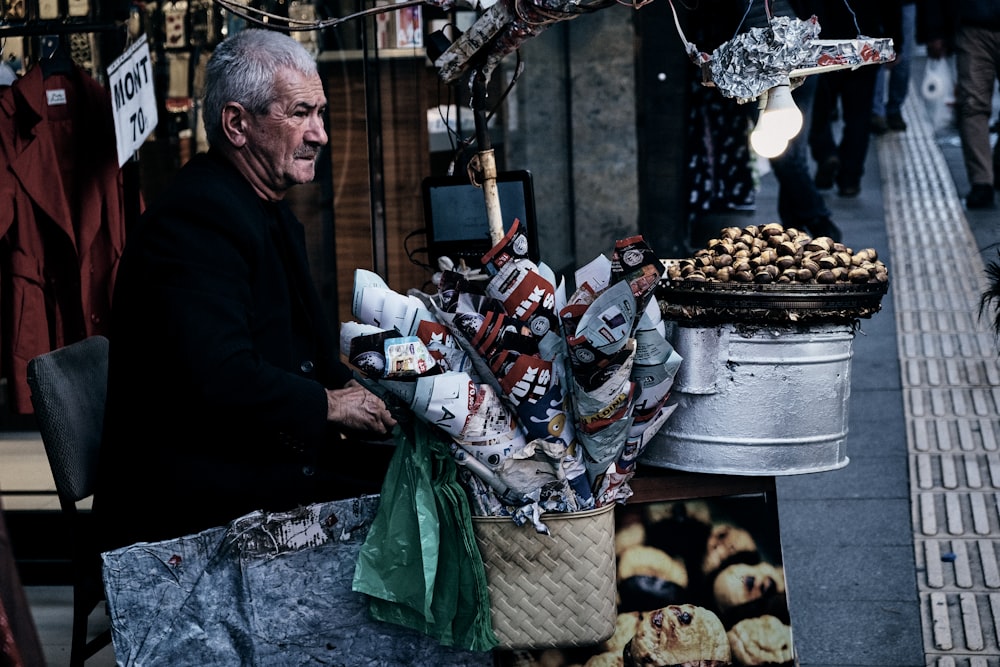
(951, 385)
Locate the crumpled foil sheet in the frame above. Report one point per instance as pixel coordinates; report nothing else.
(762, 58)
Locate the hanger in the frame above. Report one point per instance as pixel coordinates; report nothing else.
(56, 58)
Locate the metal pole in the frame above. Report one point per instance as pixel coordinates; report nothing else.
(487, 163)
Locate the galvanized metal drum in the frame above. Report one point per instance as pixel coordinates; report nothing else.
(758, 400)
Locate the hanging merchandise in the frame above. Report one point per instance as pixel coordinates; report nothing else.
(63, 210)
(175, 24)
(546, 401)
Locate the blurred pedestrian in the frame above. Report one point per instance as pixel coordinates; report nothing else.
(892, 81)
(842, 162)
(972, 29)
(800, 203)
(727, 184)
(718, 174)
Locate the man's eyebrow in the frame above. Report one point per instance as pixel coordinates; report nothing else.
(309, 106)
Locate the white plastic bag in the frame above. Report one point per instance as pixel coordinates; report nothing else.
(937, 83)
(938, 89)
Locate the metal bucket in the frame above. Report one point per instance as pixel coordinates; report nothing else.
(757, 400)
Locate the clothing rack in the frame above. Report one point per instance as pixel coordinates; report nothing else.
(41, 28)
(60, 27)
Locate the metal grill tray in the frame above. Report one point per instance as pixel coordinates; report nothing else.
(753, 296)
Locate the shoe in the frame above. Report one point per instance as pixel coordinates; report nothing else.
(879, 125)
(826, 172)
(849, 190)
(895, 122)
(823, 227)
(980, 196)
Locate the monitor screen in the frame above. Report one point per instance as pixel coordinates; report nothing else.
(455, 215)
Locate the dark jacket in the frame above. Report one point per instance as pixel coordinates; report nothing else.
(938, 19)
(717, 21)
(977, 13)
(711, 23)
(883, 18)
(219, 358)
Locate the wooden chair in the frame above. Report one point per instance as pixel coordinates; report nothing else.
(68, 392)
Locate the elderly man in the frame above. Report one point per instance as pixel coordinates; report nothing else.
(226, 394)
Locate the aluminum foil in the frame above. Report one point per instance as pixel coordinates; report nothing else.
(761, 58)
(834, 54)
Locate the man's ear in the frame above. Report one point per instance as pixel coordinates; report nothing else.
(234, 123)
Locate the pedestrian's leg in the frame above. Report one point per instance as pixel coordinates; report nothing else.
(996, 158)
(856, 101)
(996, 146)
(976, 70)
(879, 126)
(820, 133)
(800, 204)
(899, 75)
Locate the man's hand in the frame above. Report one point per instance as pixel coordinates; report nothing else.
(357, 408)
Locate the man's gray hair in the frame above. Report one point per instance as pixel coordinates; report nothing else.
(242, 70)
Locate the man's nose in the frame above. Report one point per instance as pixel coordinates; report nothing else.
(316, 132)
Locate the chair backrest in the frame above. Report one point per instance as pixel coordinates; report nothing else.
(69, 387)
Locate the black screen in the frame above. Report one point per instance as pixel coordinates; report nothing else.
(455, 215)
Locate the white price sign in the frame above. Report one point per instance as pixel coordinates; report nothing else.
(134, 101)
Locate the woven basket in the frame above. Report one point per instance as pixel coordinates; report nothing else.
(554, 590)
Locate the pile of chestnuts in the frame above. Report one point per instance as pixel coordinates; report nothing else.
(771, 254)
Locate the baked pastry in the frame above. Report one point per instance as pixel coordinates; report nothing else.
(629, 534)
(742, 583)
(678, 635)
(743, 590)
(625, 626)
(728, 544)
(760, 641)
(649, 578)
(642, 560)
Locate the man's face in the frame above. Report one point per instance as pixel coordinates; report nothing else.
(283, 144)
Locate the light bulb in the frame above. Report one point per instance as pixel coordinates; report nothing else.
(782, 107)
(767, 141)
(779, 121)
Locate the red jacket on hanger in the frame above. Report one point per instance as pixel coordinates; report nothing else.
(62, 217)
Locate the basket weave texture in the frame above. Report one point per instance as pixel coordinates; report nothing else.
(554, 590)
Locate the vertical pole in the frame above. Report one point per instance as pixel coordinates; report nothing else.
(487, 162)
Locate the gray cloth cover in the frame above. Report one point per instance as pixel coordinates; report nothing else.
(269, 589)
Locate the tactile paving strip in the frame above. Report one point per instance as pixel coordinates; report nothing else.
(951, 385)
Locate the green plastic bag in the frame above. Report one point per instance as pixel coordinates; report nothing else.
(420, 565)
